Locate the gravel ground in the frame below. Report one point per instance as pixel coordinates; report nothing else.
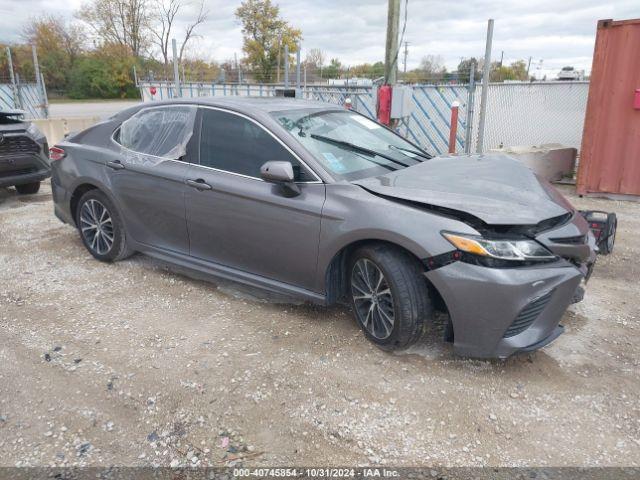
(137, 364)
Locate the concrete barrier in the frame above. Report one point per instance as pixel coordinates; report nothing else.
(56, 128)
(551, 160)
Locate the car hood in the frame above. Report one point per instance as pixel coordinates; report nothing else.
(494, 188)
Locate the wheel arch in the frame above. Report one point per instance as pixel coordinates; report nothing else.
(83, 186)
(336, 280)
(335, 274)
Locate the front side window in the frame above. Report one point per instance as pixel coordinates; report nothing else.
(235, 144)
(161, 132)
(348, 144)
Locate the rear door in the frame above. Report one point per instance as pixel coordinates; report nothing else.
(238, 220)
(148, 176)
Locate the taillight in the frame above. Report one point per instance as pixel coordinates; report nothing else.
(56, 153)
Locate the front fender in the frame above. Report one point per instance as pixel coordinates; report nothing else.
(352, 214)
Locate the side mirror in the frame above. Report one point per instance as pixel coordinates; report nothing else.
(282, 174)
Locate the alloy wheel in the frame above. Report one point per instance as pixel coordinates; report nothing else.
(372, 299)
(96, 226)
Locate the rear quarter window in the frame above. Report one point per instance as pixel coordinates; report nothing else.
(161, 132)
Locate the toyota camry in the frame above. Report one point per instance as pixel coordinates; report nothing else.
(322, 203)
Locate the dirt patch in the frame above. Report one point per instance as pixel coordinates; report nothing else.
(137, 363)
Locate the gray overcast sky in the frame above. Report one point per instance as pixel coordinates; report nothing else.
(556, 32)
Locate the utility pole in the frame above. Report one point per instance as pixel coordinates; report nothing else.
(406, 54)
(485, 85)
(501, 57)
(391, 47)
(528, 67)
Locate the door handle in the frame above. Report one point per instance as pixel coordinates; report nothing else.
(199, 184)
(115, 164)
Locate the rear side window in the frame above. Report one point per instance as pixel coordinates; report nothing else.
(235, 144)
(160, 132)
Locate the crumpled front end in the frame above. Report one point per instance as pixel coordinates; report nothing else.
(497, 312)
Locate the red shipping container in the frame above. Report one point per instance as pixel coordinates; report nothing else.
(610, 153)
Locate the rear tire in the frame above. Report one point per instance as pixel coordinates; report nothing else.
(389, 296)
(28, 188)
(101, 228)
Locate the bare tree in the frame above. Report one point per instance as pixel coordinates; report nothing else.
(163, 22)
(315, 58)
(120, 22)
(432, 65)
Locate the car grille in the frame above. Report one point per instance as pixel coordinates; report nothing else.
(577, 240)
(528, 315)
(19, 144)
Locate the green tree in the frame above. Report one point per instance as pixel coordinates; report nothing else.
(22, 62)
(334, 69)
(516, 71)
(464, 69)
(196, 70)
(265, 35)
(105, 73)
(58, 45)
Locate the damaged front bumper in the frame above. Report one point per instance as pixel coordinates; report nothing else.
(496, 312)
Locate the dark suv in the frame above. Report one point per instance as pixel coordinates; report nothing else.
(24, 153)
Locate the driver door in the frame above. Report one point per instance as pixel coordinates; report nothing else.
(236, 219)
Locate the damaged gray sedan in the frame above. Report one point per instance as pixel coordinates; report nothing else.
(322, 203)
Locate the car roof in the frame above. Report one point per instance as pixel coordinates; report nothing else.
(248, 104)
(266, 104)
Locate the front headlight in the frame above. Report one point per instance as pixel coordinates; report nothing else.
(518, 250)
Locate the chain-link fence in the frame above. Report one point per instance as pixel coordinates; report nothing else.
(23, 96)
(517, 113)
(533, 113)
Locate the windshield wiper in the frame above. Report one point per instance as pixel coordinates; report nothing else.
(424, 155)
(357, 148)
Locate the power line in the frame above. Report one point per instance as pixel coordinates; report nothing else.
(406, 54)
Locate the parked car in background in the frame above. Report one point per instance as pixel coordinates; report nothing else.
(24, 161)
(570, 74)
(312, 200)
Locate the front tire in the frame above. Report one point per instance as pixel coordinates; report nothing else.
(389, 296)
(101, 228)
(28, 188)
